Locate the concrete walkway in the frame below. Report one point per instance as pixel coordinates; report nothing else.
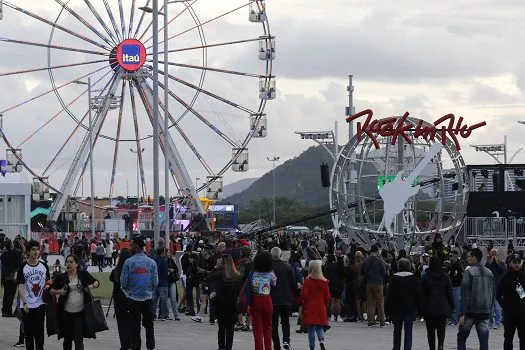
(188, 335)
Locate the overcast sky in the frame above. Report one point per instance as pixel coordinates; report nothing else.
(462, 57)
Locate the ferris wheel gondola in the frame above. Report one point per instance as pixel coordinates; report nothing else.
(111, 44)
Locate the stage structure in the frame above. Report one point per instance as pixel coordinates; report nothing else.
(410, 180)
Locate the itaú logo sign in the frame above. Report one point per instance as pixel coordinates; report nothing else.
(131, 55)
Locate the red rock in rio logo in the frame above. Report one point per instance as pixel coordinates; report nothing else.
(388, 127)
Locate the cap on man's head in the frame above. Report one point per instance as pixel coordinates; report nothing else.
(516, 258)
(425, 255)
(140, 241)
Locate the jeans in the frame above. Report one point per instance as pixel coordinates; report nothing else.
(496, 314)
(456, 291)
(74, 331)
(482, 327)
(190, 305)
(160, 296)
(511, 323)
(406, 320)
(436, 324)
(9, 296)
(312, 331)
(282, 312)
(141, 310)
(34, 327)
(172, 295)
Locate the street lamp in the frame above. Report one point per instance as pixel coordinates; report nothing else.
(137, 152)
(273, 160)
(92, 181)
(521, 122)
(155, 11)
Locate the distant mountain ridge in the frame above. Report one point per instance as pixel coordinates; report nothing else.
(237, 187)
(298, 178)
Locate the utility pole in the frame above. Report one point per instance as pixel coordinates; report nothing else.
(138, 185)
(156, 227)
(273, 160)
(166, 129)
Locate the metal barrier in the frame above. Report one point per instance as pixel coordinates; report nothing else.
(496, 230)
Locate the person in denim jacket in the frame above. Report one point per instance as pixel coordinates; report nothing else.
(138, 280)
(477, 296)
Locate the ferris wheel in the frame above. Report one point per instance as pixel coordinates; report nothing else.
(220, 78)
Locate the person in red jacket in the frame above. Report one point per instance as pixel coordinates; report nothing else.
(315, 296)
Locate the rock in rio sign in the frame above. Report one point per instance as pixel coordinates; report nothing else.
(399, 126)
(131, 55)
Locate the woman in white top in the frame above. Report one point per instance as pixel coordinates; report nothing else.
(73, 287)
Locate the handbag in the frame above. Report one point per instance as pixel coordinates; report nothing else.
(94, 317)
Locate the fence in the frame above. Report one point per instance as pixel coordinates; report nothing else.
(497, 230)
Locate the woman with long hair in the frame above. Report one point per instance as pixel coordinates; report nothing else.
(227, 286)
(438, 302)
(73, 287)
(120, 301)
(315, 295)
(335, 274)
(261, 309)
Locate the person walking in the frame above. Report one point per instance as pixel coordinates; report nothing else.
(120, 303)
(32, 277)
(510, 294)
(477, 295)
(438, 302)
(498, 269)
(283, 295)
(226, 283)
(101, 253)
(315, 296)
(138, 280)
(456, 277)
(173, 278)
(262, 280)
(160, 295)
(73, 290)
(403, 301)
(11, 259)
(373, 272)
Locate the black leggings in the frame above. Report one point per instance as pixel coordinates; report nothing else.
(225, 332)
(34, 327)
(73, 330)
(436, 324)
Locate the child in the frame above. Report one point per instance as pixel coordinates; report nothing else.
(315, 296)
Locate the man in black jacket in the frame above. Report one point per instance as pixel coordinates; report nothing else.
(283, 295)
(456, 277)
(11, 259)
(510, 294)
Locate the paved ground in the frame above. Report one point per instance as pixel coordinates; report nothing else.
(191, 336)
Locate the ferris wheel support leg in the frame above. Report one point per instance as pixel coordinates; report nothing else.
(82, 154)
(182, 176)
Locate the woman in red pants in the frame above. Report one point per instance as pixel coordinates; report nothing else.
(261, 309)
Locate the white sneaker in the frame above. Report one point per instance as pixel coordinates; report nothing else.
(196, 319)
(332, 318)
(295, 314)
(339, 319)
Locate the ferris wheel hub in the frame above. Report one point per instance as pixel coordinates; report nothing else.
(130, 55)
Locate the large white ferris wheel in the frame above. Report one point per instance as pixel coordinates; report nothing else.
(218, 51)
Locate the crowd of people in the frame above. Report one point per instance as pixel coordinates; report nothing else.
(246, 285)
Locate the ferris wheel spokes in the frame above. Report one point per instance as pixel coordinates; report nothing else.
(217, 97)
(201, 117)
(112, 19)
(210, 45)
(56, 25)
(101, 21)
(137, 138)
(226, 71)
(140, 20)
(131, 18)
(122, 19)
(84, 151)
(185, 138)
(117, 142)
(57, 47)
(75, 129)
(202, 24)
(54, 67)
(170, 150)
(50, 91)
(83, 21)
